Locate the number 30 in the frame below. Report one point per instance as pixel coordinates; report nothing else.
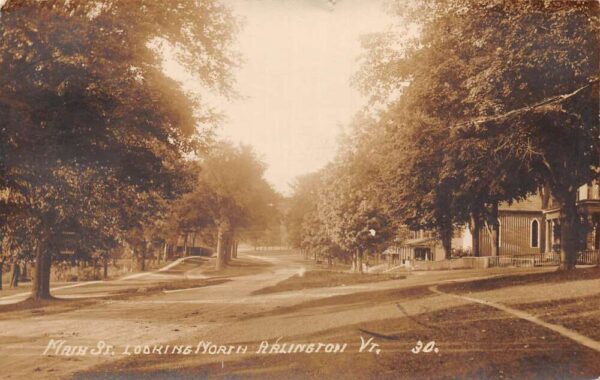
(427, 348)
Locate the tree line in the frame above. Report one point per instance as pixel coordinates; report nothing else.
(98, 143)
(471, 103)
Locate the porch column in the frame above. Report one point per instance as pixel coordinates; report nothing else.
(596, 241)
(548, 237)
(552, 237)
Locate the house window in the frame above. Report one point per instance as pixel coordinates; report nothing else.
(535, 234)
(422, 254)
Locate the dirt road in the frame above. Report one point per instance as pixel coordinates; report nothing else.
(395, 314)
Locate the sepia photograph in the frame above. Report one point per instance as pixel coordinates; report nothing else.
(299, 189)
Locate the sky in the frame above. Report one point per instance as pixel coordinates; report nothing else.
(299, 56)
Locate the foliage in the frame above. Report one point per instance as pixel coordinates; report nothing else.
(472, 63)
(335, 212)
(230, 196)
(94, 135)
(472, 103)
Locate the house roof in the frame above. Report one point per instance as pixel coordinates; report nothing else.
(532, 203)
(421, 242)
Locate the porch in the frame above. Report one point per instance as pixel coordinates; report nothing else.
(590, 215)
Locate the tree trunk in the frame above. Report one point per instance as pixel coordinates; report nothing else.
(329, 261)
(222, 235)
(569, 231)
(41, 281)
(95, 267)
(165, 252)
(227, 253)
(493, 229)
(475, 227)
(495, 239)
(133, 260)
(16, 275)
(360, 261)
(545, 194)
(446, 237)
(1, 271)
(105, 265)
(231, 248)
(142, 258)
(220, 263)
(185, 247)
(234, 245)
(191, 249)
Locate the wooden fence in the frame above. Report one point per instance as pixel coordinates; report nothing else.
(535, 260)
(590, 257)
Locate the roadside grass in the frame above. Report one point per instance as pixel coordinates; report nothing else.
(57, 305)
(323, 279)
(113, 275)
(24, 286)
(578, 313)
(589, 273)
(581, 314)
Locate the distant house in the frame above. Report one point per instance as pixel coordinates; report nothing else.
(420, 246)
(422, 249)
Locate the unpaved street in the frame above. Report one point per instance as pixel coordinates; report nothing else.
(225, 311)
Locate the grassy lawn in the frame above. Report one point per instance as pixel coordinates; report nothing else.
(323, 279)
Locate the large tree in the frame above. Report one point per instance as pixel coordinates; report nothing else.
(308, 225)
(91, 128)
(302, 202)
(349, 206)
(230, 196)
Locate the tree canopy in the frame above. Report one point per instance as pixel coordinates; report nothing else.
(229, 197)
(93, 133)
